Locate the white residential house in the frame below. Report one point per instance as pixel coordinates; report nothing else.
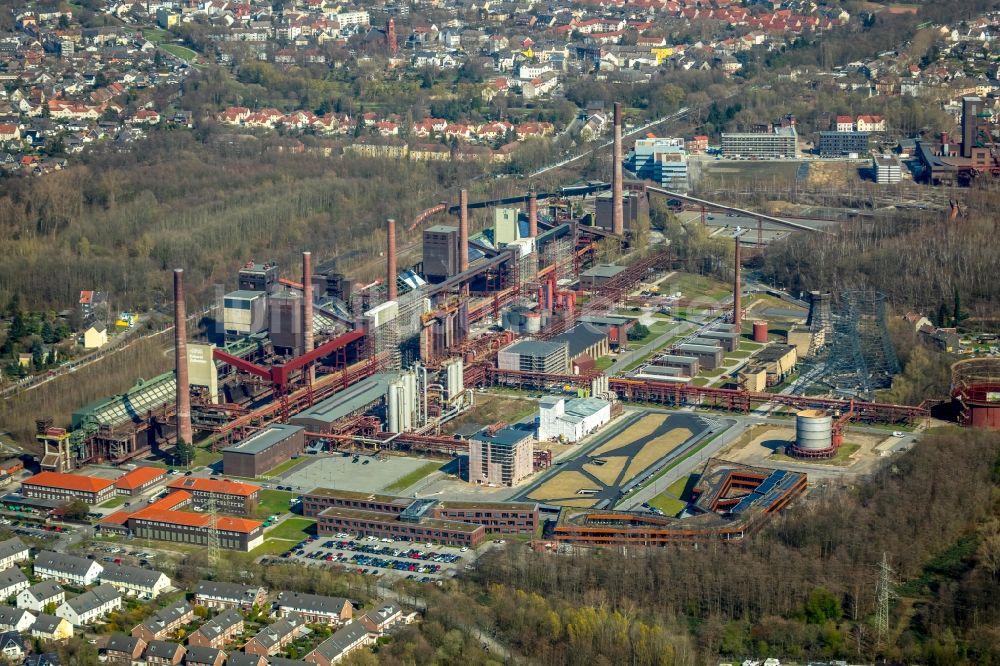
(90, 606)
(13, 551)
(135, 581)
(12, 581)
(67, 568)
(15, 619)
(40, 595)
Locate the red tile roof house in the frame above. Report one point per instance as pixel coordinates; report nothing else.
(139, 481)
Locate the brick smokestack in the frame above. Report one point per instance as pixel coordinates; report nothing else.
(307, 308)
(180, 361)
(463, 231)
(390, 256)
(532, 214)
(618, 212)
(737, 292)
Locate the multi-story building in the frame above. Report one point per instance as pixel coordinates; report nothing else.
(314, 608)
(780, 142)
(135, 581)
(90, 606)
(13, 551)
(453, 523)
(275, 637)
(662, 160)
(164, 622)
(192, 528)
(263, 450)
(229, 496)
(501, 458)
(218, 631)
(571, 420)
(36, 597)
(222, 595)
(139, 480)
(12, 581)
(258, 277)
(68, 487)
(244, 312)
(836, 144)
(78, 571)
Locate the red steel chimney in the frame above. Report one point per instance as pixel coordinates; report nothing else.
(463, 231)
(390, 37)
(307, 309)
(737, 293)
(183, 404)
(391, 272)
(617, 211)
(532, 214)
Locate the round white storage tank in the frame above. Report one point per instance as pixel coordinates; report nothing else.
(813, 430)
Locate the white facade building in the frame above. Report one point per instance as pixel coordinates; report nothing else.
(571, 420)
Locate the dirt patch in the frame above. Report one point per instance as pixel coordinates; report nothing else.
(609, 471)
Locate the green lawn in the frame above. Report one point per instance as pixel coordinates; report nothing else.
(603, 363)
(679, 487)
(272, 502)
(180, 51)
(114, 501)
(204, 458)
(273, 547)
(699, 381)
(715, 372)
(284, 467)
(155, 35)
(695, 286)
(667, 504)
(408, 480)
(293, 529)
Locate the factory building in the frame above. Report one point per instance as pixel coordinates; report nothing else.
(441, 253)
(263, 451)
(779, 143)
(285, 326)
(244, 313)
(535, 356)
(584, 340)
(68, 487)
(615, 327)
(837, 144)
(571, 420)
(688, 365)
(663, 160)
(355, 399)
(597, 276)
(774, 361)
(229, 496)
(501, 458)
(729, 341)
(259, 277)
(493, 517)
(887, 169)
(634, 204)
(709, 356)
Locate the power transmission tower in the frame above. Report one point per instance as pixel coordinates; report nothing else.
(213, 531)
(883, 599)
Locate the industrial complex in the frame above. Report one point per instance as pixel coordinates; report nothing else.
(315, 363)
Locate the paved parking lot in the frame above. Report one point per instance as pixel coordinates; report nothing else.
(369, 474)
(382, 557)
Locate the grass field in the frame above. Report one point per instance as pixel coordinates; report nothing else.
(181, 52)
(679, 487)
(284, 467)
(272, 547)
(491, 408)
(644, 427)
(155, 35)
(723, 174)
(658, 448)
(293, 529)
(204, 458)
(408, 480)
(603, 363)
(695, 286)
(564, 484)
(272, 502)
(667, 504)
(113, 502)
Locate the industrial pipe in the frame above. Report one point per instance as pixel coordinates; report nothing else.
(617, 211)
(463, 231)
(307, 310)
(391, 272)
(532, 214)
(183, 404)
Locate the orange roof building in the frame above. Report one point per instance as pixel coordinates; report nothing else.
(68, 487)
(229, 496)
(139, 480)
